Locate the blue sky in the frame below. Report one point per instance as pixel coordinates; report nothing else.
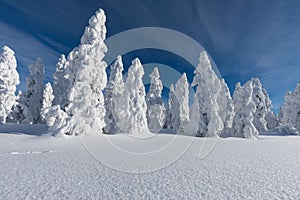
(245, 38)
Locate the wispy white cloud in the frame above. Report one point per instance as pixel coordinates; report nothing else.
(27, 49)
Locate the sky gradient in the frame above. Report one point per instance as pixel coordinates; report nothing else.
(245, 38)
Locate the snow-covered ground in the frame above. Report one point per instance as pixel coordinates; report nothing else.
(36, 166)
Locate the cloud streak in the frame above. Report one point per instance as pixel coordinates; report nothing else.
(27, 49)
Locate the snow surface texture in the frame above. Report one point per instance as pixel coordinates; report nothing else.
(44, 167)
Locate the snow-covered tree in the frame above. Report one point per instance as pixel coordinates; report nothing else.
(114, 86)
(272, 120)
(192, 127)
(225, 105)
(47, 100)
(298, 121)
(172, 119)
(244, 110)
(61, 82)
(9, 79)
(34, 92)
(58, 121)
(86, 76)
(280, 116)
(262, 103)
(182, 95)
(20, 110)
(213, 96)
(47, 96)
(291, 108)
(156, 110)
(133, 108)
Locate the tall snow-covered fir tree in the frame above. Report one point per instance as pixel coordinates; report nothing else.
(291, 108)
(225, 105)
(9, 79)
(114, 86)
(182, 95)
(213, 96)
(34, 92)
(61, 82)
(47, 100)
(156, 110)
(132, 109)
(272, 120)
(244, 111)
(84, 110)
(20, 110)
(47, 96)
(192, 127)
(172, 119)
(262, 103)
(280, 116)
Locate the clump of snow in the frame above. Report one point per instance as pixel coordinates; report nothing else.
(58, 121)
(283, 130)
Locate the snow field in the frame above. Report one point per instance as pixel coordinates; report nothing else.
(236, 168)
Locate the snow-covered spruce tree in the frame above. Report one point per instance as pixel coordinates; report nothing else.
(172, 119)
(262, 103)
(272, 120)
(291, 108)
(280, 116)
(84, 110)
(34, 92)
(114, 86)
(57, 120)
(244, 110)
(156, 110)
(192, 127)
(133, 108)
(182, 95)
(61, 82)
(226, 108)
(47, 100)
(9, 79)
(20, 110)
(47, 96)
(213, 96)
